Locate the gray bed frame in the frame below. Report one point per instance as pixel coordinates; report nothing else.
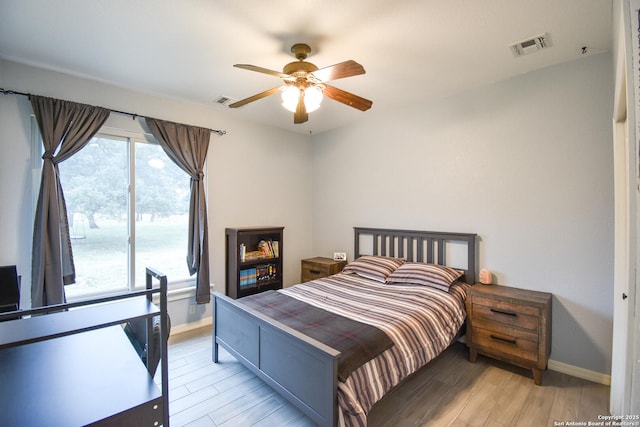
(301, 369)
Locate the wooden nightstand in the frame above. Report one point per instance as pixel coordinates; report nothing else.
(315, 268)
(509, 324)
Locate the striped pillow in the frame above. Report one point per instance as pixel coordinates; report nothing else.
(372, 267)
(436, 276)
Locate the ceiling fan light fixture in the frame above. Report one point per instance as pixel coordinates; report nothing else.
(305, 85)
(290, 98)
(312, 98)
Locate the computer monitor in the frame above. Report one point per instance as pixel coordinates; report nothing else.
(9, 289)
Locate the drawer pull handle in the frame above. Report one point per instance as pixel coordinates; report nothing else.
(314, 271)
(507, 340)
(508, 313)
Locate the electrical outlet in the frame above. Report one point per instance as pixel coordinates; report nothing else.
(192, 309)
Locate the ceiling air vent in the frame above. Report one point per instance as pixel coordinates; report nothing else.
(531, 45)
(224, 100)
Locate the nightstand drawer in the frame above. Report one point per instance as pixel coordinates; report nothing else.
(312, 272)
(500, 329)
(318, 267)
(508, 343)
(506, 313)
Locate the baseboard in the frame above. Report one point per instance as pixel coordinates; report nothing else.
(576, 371)
(186, 327)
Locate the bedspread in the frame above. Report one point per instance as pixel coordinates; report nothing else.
(421, 322)
(357, 342)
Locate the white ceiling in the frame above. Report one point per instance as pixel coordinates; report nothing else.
(413, 51)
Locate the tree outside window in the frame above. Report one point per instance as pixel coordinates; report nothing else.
(128, 209)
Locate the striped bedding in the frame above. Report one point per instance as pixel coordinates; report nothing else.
(420, 320)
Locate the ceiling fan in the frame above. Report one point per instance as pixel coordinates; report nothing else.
(305, 84)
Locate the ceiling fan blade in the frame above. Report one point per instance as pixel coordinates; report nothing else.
(347, 98)
(262, 70)
(255, 97)
(339, 71)
(301, 115)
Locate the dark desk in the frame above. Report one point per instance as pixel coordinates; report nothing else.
(73, 365)
(90, 378)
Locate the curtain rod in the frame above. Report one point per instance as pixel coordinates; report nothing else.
(133, 115)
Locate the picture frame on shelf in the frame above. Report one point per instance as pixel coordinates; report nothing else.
(339, 256)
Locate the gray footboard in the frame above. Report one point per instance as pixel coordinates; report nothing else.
(301, 369)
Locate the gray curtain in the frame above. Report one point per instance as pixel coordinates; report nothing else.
(65, 127)
(187, 146)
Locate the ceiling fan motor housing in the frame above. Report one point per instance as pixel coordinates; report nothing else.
(299, 68)
(301, 51)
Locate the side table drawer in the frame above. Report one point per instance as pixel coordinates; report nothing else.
(312, 272)
(506, 313)
(509, 341)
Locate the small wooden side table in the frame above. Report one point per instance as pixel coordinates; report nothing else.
(318, 267)
(510, 324)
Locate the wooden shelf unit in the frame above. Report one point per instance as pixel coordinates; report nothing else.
(250, 237)
(72, 364)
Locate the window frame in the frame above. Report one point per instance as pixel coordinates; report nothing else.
(130, 137)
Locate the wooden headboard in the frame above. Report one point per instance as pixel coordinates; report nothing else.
(419, 246)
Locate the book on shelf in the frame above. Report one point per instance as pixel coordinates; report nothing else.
(248, 278)
(265, 272)
(253, 255)
(269, 248)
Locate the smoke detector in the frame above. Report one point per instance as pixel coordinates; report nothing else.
(531, 45)
(224, 100)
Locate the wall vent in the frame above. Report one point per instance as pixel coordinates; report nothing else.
(224, 100)
(531, 45)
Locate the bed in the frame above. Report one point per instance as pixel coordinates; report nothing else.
(310, 373)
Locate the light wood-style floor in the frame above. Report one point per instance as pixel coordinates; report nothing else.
(450, 391)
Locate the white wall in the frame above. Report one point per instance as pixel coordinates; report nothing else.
(256, 175)
(525, 163)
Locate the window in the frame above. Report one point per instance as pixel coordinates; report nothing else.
(128, 206)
